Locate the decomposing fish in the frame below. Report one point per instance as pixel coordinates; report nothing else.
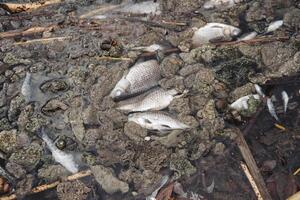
(65, 159)
(155, 99)
(157, 121)
(259, 90)
(141, 77)
(213, 32)
(285, 99)
(271, 109)
(274, 26)
(155, 192)
(242, 103)
(220, 3)
(248, 36)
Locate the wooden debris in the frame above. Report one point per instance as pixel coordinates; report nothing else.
(251, 180)
(20, 7)
(254, 41)
(280, 127)
(296, 172)
(43, 40)
(174, 23)
(295, 196)
(254, 171)
(45, 187)
(27, 32)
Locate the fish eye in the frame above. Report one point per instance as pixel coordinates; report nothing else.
(236, 32)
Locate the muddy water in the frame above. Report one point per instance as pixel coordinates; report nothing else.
(71, 79)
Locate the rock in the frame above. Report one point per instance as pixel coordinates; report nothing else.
(170, 140)
(180, 105)
(4, 124)
(135, 132)
(55, 86)
(53, 107)
(52, 173)
(181, 166)
(11, 59)
(256, 12)
(180, 6)
(197, 102)
(8, 141)
(190, 69)
(170, 65)
(205, 75)
(24, 186)
(219, 148)
(291, 18)
(176, 82)
(208, 112)
(90, 116)
(109, 183)
(290, 67)
(75, 190)
(76, 121)
(15, 169)
(199, 149)
(188, 120)
(28, 157)
(241, 91)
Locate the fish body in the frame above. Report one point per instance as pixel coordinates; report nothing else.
(141, 77)
(26, 87)
(155, 99)
(65, 159)
(156, 121)
(285, 99)
(211, 4)
(214, 32)
(271, 109)
(259, 90)
(242, 103)
(274, 26)
(248, 36)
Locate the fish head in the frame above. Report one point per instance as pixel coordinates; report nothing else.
(121, 89)
(235, 31)
(209, 5)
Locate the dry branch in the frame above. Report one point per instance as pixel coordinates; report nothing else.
(43, 40)
(27, 32)
(20, 7)
(248, 157)
(45, 187)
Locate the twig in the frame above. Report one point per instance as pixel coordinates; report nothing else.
(113, 58)
(26, 32)
(19, 7)
(43, 40)
(254, 41)
(45, 187)
(247, 155)
(251, 180)
(175, 23)
(295, 196)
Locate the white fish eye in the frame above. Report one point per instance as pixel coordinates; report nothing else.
(235, 32)
(118, 92)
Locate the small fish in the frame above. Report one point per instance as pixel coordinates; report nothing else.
(156, 121)
(213, 32)
(271, 109)
(242, 103)
(141, 77)
(155, 99)
(285, 99)
(161, 184)
(248, 36)
(66, 160)
(26, 87)
(211, 4)
(274, 26)
(259, 90)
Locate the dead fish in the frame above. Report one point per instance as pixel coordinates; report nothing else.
(271, 109)
(146, 7)
(259, 90)
(211, 4)
(26, 87)
(156, 121)
(285, 99)
(151, 48)
(274, 26)
(155, 192)
(213, 32)
(141, 77)
(65, 159)
(242, 103)
(248, 36)
(155, 99)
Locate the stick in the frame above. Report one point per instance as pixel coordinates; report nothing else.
(20, 7)
(247, 155)
(45, 187)
(26, 32)
(295, 196)
(251, 180)
(43, 40)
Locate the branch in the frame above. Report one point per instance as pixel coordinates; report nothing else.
(20, 7)
(27, 32)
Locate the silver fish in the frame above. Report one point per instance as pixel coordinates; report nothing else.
(155, 99)
(242, 103)
(285, 99)
(214, 32)
(220, 3)
(65, 159)
(248, 36)
(271, 109)
(141, 77)
(274, 26)
(157, 121)
(259, 90)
